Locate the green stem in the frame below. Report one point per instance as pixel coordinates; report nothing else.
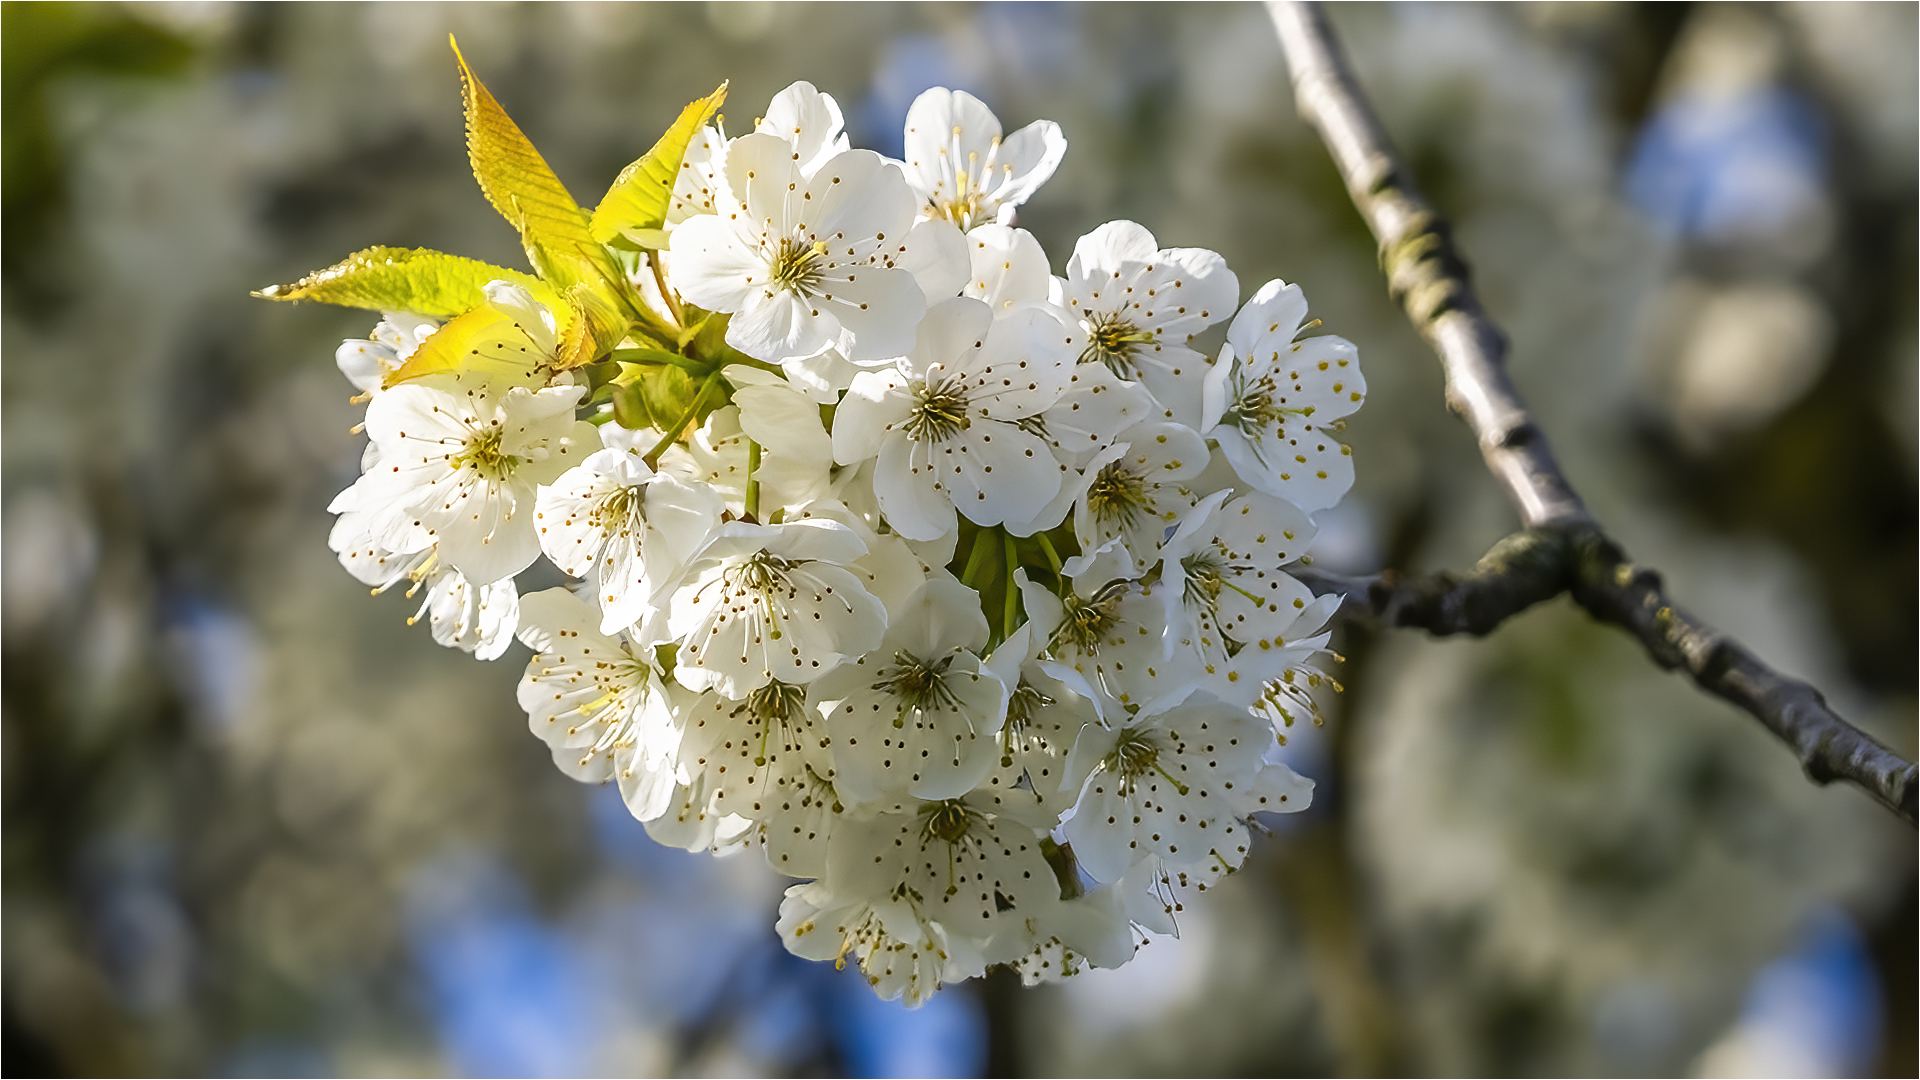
(1013, 592)
(976, 556)
(1046, 545)
(753, 483)
(662, 356)
(666, 294)
(673, 435)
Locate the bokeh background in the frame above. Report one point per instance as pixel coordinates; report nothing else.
(255, 824)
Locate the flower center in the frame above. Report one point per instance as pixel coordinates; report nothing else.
(775, 705)
(776, 702)
(1117, 495)
(1206, 576)
(1253, 406)
(917, 684)
(1115, 342)
(1023, 704)
(616, 510)
(796, 265)
(939, 411)
(1134, 756)
(482, 454)
(948, 820)
(963, 209)
(966, 206)
(762, 573)
(1088, 622)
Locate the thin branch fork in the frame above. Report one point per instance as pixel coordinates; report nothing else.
(1561, 549)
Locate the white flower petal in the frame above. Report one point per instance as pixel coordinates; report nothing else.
(935, 254)
(1008, 267)
(709, 264)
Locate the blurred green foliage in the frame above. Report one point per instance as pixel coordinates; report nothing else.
(41, 43)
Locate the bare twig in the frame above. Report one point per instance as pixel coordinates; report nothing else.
(1562, 548)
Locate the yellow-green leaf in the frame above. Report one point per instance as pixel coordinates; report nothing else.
(636, 205)
(630, 409)
(658, 400)
(522, 186)
(593, 329)
(485, 342)
(416, 280)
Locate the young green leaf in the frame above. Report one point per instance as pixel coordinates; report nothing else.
(417, 280)
(485, 342)
(635, 207)
(520, 184)
(593, 328)
(665, 395)
(630, 409)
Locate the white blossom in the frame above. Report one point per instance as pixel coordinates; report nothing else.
(459, 470)
(367, 363)
(597, 702)
(919, 715)
(1108, 642)
(948, 424)
(479, 619)
(902, 954)
(1044, 718)
(766, 760)
(969, 873)
(1178, 785)
(967, 863)
(789, 257)
(1227, 597)
(1273, 402)
(630, 533)
(1087, 931)
(1136, 489)
(962, 169)
(766, 602)
(1140, 307)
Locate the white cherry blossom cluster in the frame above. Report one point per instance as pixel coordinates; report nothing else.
(969, 606)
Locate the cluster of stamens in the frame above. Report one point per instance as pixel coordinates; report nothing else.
(948, 820)
(761, 573)
(963, 207)
(1088, 622)
(616, 511)
(917, 684)
(796, 265)
(775, 705)
(482, 454)
(1117, 495)
(1023, 704)
(1253, 407)
(1133, 756)
(1115, 342)
(939, 410)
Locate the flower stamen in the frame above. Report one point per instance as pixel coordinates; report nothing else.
(1118, 495)
(797, 265)
(939, 411)
(1115, 342)
(482, 453)
(917, 684)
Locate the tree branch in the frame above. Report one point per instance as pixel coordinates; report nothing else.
(1562, 548)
